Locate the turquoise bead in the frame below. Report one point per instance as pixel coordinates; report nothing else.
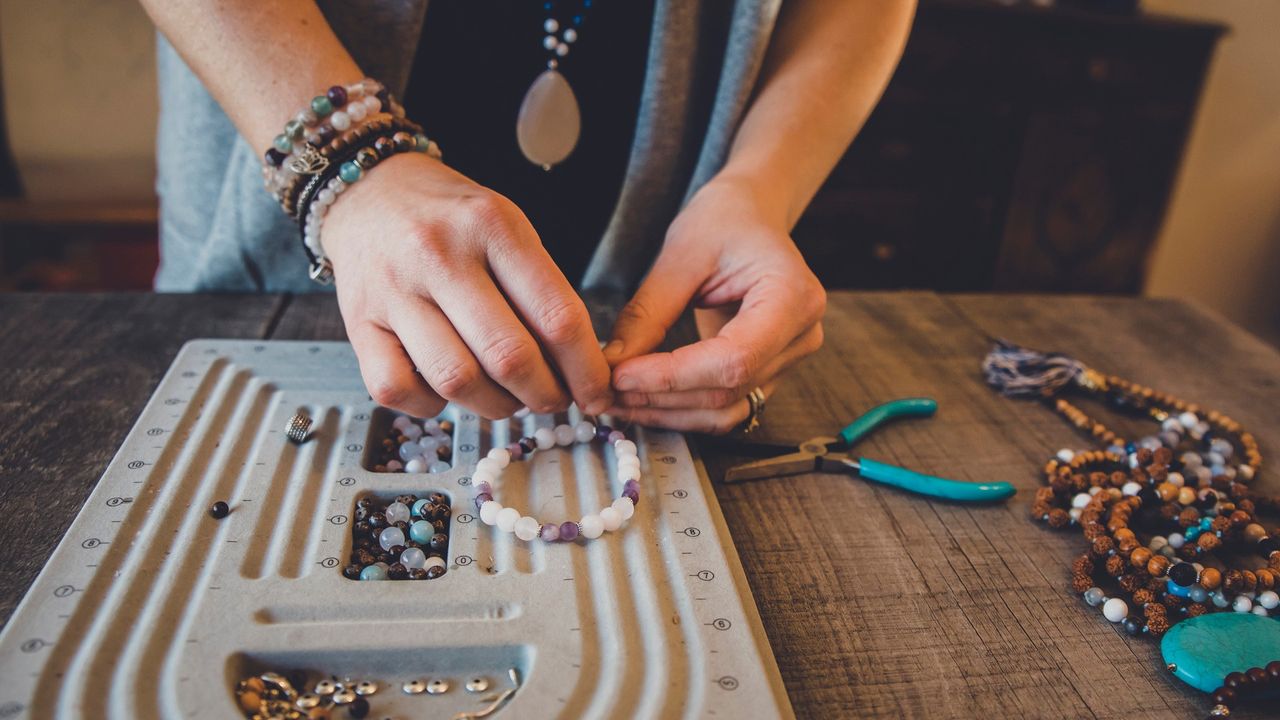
(416, 510)
(283, 143)
(349, 172)
(421, 531)
(321, 106)
(421, 143)
(373, 572)
(1174, 588)
(1204, 649)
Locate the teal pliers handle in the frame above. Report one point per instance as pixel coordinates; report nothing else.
(909, 479)
(933, 486)
(879, 415)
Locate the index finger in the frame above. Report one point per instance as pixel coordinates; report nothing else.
(770, 318)
(556, 316)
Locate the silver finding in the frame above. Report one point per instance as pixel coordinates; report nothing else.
(299, 428)
(755, 404)
(497, 704)
(477, 684)
(437, 687)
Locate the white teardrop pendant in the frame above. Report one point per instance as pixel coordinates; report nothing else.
(549, 123)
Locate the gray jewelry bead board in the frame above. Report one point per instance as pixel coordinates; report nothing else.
(150, 608)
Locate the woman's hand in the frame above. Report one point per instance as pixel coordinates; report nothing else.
(759, 311)
(448, 295)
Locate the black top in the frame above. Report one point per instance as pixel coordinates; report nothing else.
(475, 62)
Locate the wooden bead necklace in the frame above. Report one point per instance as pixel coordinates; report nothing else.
(592, 525)
(1186, 489)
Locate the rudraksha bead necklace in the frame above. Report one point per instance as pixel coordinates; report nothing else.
(1185, 488)
(592, 525)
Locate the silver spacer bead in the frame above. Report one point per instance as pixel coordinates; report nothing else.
(299, 428)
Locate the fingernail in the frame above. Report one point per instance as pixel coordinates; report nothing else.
(613, 349)
(626, 382)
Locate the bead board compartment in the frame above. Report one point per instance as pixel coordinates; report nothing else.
(149, 608)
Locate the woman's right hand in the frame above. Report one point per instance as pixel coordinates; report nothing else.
(448, 295)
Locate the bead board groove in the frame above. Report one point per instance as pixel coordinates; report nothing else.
(149, 608)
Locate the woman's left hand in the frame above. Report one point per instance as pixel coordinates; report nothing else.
(758, 308)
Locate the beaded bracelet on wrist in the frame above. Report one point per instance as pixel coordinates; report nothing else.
(1186, 488)
(328, 187)
(337, 110)
(489, 470)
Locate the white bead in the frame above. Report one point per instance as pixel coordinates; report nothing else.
(1176, 540)
(625, 507)
(1188, 420)
(394, 465)
(1242, 604)
(549, 42)
(624, 447)
(551, 25)
(1268, 599)
(372, 104)
(355, 91)
(413, 432)
(562, 49)
(1246, 472)
(1157, 542)
(1115, 610)
(413, 558)
(340, 121)
(416, 465)
(584, 431)
(1066, 455)
(1219, 599)
(501, 456)
(357, 111)
(1076, 514)
(628, 473)
(489, 510)
(1176, 479)
(434, 561)
(544, 438)
(401, 422)
(570, 35)
(611, 518)
(592, 526)
(1259, 611)
(1131, 488)
(507, 519)
(527, 528)
(325, 197)
(1095, 490)
(478, 477)
(626, 460)
(564, 435)
(522, 413)
(488, 467)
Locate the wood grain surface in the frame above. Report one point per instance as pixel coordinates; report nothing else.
(877, 603)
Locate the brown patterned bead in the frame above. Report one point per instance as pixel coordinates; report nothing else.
(1167, 491)
(1240, 518)
(1210, 578)
(1253, 532)
(1250, 580)
(1208, 542)
(1131, 583)
(1115, 565)
(1140, 557)
(1266, 579)
(1082, 565)
(1080, 583)
(1163, 456)
(1233, 581)
(1058, 518)
(1157, 626)
(1158, 565)
(1129, 544)
(1142, 596)
(1188, 517)
(1196, 609)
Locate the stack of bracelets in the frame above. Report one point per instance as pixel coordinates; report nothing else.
(591, 526)
(329, 145)
(1186, 489)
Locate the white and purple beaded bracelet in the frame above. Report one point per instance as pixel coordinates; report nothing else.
(591, 526)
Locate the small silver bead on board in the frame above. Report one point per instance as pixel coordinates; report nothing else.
(366, 687)
(477, 685)
(438, 687)
(306, 701)
(414, 687)
(299, 428)
(326, 687)
(344, 697)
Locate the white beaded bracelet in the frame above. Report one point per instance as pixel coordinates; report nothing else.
(591, 526)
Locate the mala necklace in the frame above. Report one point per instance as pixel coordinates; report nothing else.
(1186, 488)
(549, 121)
(592, 526)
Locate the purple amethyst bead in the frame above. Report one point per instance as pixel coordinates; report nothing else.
(482, 498)
(615, 436)
(327, 134)
(550, 532)
(632, 485)
(632, 495)
(568, 531)
(527, 445)
(337, 95)
(516, 450)
(275, 158)
(603, 432)
(484, 487)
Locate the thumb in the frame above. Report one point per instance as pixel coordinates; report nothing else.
(662, 297)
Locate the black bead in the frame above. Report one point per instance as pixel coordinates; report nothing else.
(418, 574)
(396, 550)
(397, 571)
(365, 502)
(386, 558)
(527, 445)
(1257, 676)
(275, 157)
(1132, 625)
(440, 525)
(219, 510)
(1209, 500)
(1273, 671)
(407, 499)
(434, 572)
(1183, 574)
(358, 708)
(438, 499)
(1224, 696)
(378, 520)
(439, 542)
(363, 527)
(1268, 545)
(352, 571)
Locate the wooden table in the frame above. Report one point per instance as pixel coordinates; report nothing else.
(877, 603)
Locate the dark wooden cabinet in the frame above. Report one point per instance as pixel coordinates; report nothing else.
(1016, 148)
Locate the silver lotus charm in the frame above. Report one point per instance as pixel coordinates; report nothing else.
(307, 161)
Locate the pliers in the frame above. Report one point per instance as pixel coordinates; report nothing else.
(829, 455)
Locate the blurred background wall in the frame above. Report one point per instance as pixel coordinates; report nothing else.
(964, 179)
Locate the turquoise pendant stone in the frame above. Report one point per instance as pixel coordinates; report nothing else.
(1203, 650)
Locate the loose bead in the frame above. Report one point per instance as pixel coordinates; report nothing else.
(357, 112)
(220, 510)
(390, 537)
(416, 465)
(377, 571)
(413, 558)
(397, 512)
(592, 526)
(420, 531)
(1115, 610)
(507, 519)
